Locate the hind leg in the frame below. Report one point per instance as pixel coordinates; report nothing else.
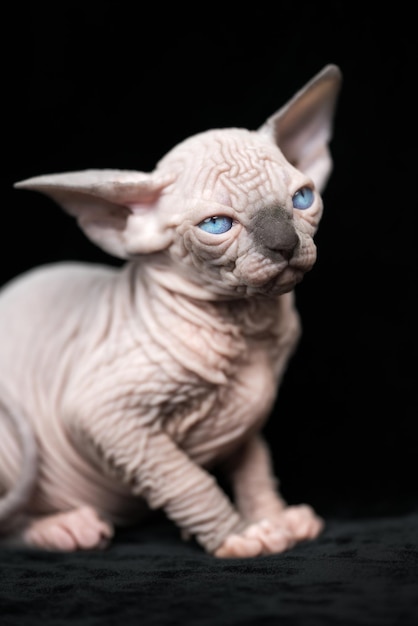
(79, 529)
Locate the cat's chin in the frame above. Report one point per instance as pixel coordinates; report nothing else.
(283, 283)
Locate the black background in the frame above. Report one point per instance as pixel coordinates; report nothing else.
(114, 85)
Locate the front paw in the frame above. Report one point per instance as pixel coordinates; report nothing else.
(272, 536)
(259, 539)
(302, 522)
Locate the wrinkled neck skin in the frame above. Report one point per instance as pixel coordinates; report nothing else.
(159, 277)
(158, 271)
(180, 306)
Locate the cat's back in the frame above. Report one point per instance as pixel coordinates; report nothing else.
(45, 287)
(37, 308)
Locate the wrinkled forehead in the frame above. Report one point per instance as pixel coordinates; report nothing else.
(229, 166)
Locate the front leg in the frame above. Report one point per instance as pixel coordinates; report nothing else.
(272, 526)
(161, 473)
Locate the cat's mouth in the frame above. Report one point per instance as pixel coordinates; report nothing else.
(286, 281)
(280, 283)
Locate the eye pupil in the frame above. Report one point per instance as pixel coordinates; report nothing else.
(303, 198)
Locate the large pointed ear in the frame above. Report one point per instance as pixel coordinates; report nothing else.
(302, 129)
(117, 209)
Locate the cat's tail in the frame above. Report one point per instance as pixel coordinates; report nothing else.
(17, 497)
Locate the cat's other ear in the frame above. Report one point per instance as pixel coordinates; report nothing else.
(116, 209)
(302, 128)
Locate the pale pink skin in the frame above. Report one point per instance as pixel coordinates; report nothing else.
(138, 381)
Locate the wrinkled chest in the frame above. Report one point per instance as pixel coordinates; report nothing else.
(208, 384)
(219, 416)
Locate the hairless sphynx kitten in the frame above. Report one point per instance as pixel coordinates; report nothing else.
(124, 390)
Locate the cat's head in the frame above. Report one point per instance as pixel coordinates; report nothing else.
(231, 211)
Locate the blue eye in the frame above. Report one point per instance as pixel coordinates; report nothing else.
(216, 225)
(303, 198)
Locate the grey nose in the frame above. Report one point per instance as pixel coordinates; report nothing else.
(274, 232)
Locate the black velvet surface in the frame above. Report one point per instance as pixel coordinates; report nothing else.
(361, 571)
